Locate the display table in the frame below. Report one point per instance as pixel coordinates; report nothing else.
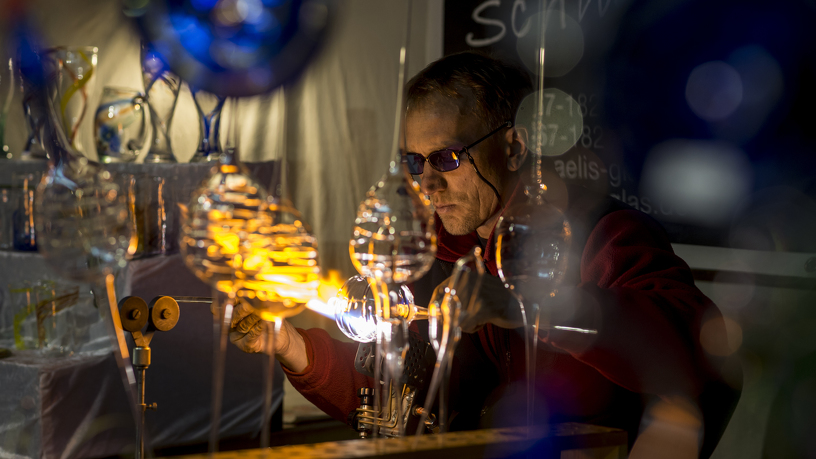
(66, 407)
(587, 441)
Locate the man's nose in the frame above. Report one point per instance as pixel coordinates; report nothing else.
(431, 181)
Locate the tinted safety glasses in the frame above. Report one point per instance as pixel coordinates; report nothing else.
(445, 160)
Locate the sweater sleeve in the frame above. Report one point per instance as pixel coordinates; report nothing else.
(642, 299)
(330, 380)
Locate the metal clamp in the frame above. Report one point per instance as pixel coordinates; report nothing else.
(161, 314)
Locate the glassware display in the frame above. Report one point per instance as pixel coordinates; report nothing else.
(161, 94)
(120, 127)
(74, 83)
(42, 319)
(209, 107)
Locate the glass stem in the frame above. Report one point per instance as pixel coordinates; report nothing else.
(221, 323)
(106, 293)
(376, 286)
(531, 316)
(160, 147)
(269, 381)
(399, 119)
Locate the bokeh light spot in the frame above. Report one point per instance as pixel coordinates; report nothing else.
(714, 90)
(203, 5)
(563, 42)
(705, 181)
(721, 336)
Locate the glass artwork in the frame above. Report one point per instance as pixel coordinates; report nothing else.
(161, 94)
(209, 107)
(35, 113)
(74, 84)
(120, 127)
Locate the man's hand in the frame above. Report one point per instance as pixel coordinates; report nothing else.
(248, 331)
(494, 304)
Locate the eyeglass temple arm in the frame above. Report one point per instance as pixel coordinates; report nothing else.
(506, 124)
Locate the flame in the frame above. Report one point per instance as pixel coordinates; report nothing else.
(326, 294)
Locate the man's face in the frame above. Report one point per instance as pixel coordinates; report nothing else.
(462, 200)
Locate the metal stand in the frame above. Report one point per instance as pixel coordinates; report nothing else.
(162, 314)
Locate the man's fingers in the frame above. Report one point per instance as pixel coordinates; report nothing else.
(240, 311)
(247, 324)
(252, 339)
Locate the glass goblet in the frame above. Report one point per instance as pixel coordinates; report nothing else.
(209, 107)
(120, 126)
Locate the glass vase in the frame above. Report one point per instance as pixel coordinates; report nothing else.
(161, 94)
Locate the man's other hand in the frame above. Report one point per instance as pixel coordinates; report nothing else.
(493, 304)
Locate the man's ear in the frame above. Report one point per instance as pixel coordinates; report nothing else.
(517, 147)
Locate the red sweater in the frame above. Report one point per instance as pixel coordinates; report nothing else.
(629, 285)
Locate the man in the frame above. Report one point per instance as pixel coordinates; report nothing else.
(622, 279)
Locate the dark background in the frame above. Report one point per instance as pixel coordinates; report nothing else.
(631, 83)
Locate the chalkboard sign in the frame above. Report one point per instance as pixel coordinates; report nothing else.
(694, 111)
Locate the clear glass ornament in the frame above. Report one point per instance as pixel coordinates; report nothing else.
(223, 211)
(84, 229)
(356, 316)
(120, 125)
